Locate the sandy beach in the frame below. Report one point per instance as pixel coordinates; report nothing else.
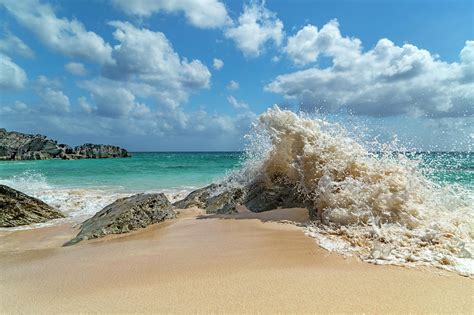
(244, 263)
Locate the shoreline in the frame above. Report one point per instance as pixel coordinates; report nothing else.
(208, 263)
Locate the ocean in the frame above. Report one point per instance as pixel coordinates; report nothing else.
(144, 171)
(175, 173)
(80, 188)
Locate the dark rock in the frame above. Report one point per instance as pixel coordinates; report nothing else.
(125, 215)
(17, 208)
(20, 146)
(258, 196)
(213, 198)
(100, 151)
(197, 198)
(262, 196)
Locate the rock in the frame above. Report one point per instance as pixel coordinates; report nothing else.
(17, 208)
(258, 196)
(213, 198)
(262, 196)
(100, 151)
(20, 146)
(125, 215)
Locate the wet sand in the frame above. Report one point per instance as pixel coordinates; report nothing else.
(245, 263)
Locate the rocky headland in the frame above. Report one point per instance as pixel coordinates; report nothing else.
(19, 146)
(17, 208)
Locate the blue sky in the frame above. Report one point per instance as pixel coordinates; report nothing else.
(192, 75)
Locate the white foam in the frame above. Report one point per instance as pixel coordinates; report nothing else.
(377, 206)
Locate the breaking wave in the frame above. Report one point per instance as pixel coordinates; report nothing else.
(379, 206)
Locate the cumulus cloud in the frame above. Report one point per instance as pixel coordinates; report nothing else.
(233, 85)
(308, 43)
(55, 100)
(256, 26)
(84, 105)
(111, 99)
(16, 108)
(66, 36)
(383, 81)
(14, 45)
(12, 76)
(147, 61)
(76, 68)
(217, 63)
(202, 14)
(236, 104)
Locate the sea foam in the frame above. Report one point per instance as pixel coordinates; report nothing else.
(378, 206)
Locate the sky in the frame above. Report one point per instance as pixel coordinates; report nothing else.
(183, 75)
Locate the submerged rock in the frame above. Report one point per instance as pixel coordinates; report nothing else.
(19, 146)
(17, 208)
(125, 215)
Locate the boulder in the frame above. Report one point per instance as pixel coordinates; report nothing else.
(125, 215)
(263, 196)
(17, 208)
(213, 198)
(258, 196)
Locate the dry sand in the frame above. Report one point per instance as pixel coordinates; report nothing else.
(246, 263)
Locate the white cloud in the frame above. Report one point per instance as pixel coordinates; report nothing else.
(84, 105)
(111, 99)
(66, 36)
(386, 80)
(467, 60)
(202, 14)
(147, 62)
(233, 85)
(256, 26)
(55, 100)
(308, 43)
(217, 63)
(12, 76)
(76, 68)
(236, 104)
(13, 45)
(43, 81)
(16, 108)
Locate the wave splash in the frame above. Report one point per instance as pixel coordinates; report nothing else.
(377, 205)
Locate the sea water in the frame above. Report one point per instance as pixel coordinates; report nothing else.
(80, 188)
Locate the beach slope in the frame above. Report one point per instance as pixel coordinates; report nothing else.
(243, 263)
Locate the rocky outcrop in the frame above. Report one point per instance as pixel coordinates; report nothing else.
(17, 208)
(19, 146)
(258, 196)
(125, 215)
(100, 151)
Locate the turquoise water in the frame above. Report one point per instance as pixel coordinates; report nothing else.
(449, 167)
(159, 170)
(143, 171)
(155, 170)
